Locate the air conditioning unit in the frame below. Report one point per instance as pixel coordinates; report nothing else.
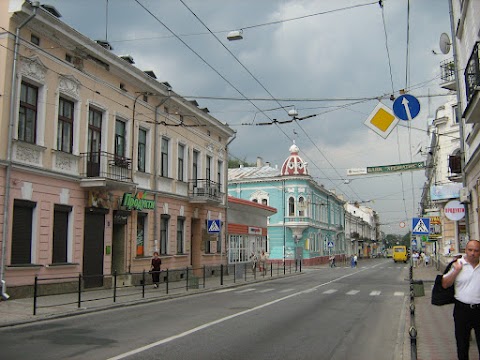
(464, 196)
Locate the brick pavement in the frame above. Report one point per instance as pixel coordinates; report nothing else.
(435, 327)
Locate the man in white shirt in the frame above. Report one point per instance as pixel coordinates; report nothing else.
(465, 274)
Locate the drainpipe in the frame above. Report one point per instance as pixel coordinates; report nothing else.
(155, 170)
(458, 111)
(225, 183)
(13, 90)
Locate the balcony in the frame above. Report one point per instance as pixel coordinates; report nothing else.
(472, 85)
(101, 169)
(203, 191)
(447, 70)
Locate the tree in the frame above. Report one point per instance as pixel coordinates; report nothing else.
(235, 163)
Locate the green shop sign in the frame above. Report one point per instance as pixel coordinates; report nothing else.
(137, 201)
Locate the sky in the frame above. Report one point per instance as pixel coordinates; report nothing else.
(335, 59)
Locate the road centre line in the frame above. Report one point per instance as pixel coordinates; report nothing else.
(226, 318)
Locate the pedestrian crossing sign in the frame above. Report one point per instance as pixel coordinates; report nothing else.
(420, 226)
(213, 226)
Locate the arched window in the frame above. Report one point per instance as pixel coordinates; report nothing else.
(264, 202)
(301, 206)
(291, 206)
(255, 200)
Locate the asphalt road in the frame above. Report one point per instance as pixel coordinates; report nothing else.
(338, 313)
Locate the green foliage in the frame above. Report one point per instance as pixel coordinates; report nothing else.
(235, 163)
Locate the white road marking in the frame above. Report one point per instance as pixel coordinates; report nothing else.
(331, 291)
(398, 293)
(218, 321)
(245, 291)
(266, 290)
(353, 292)
(375, 293)
(286, 290)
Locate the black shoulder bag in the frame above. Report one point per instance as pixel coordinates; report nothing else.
(441, 296)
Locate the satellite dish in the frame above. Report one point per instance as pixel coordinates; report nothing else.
(445, 43)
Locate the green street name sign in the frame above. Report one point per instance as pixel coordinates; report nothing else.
(395, 168)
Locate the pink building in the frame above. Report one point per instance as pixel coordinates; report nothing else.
(101, 164)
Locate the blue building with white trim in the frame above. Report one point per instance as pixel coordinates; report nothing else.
(310, 220)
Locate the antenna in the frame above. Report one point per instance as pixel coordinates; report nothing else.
(445, 43)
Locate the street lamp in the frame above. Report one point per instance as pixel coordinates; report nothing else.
(235, 35)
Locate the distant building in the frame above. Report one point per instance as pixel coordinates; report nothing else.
(309, 224)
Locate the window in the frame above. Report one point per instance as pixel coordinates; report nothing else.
(180, 234)
(164, 233)
(208, 169)
(65, 125)
(301, 206)
(454, 115)
(94, 141)
(142, 148)
(34, 39)
(22, 230)
(61, 214)
(264, 202)
(120, 139)
(27, 121)
(195, 166)
(181, 155)
(291, 206)
(141, 226)
(164, 158)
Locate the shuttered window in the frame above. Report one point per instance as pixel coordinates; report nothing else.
(60, 233)
(22, 232)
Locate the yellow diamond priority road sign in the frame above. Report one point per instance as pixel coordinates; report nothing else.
(382, 120)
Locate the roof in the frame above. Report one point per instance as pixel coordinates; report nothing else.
(244, 173)
(239, 201)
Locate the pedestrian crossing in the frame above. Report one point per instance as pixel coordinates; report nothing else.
(352, 292)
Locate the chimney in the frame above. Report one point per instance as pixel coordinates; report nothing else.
(259, 161)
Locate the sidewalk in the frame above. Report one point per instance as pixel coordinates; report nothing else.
(434, 324)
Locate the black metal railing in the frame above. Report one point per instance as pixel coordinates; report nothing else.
(472, 74)
(106, 165)
(204, 189)
(447, 70)
(140, 284)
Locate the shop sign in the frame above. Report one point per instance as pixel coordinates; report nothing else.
(137, 202)
(454, 210)
(252, 230)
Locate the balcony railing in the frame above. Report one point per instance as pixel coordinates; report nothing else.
(472, 74)
(204, 190)
(106, 165)
(447, 70)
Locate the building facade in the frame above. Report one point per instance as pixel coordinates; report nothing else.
(462, 74)
(362, 231)
(310, 221)
(443, 184)
(101, 164)
(247, 229)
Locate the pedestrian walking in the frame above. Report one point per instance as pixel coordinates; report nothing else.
(332, 261)
(415, 257)
(465, 275)
(427, 260)
(263, 260)
(352, 261)
(155, 269)
(355, 258)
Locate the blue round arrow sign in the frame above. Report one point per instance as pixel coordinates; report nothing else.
(406, 107)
